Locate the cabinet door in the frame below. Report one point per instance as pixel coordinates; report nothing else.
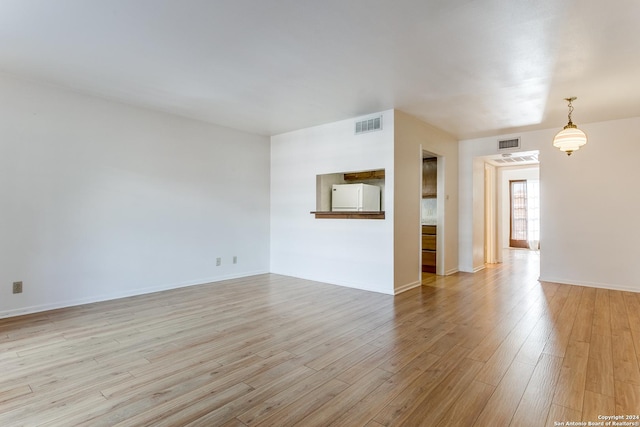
(429, 258)
(429, 177)
(429, 229)
(365, 175)
(429, 242)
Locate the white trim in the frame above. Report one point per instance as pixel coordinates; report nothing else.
(452, 271)
(406, 287)
(613, 287)
(134, 292)
(357, 286)
(482, 267)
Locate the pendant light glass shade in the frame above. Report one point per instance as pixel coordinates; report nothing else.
(570, 138)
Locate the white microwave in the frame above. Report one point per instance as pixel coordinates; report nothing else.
(355, 198)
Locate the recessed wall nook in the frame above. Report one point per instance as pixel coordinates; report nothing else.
(365, 206)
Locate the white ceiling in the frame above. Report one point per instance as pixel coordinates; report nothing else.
(471, 67)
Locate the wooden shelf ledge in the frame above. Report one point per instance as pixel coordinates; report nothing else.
(350, 215)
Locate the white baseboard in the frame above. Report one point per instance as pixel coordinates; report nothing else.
(406, 287)
(613, 287)
(452, 271)
(133, 292)
(471, 269)
(356, 286)
(337, 282)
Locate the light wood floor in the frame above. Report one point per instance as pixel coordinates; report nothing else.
(495, 348)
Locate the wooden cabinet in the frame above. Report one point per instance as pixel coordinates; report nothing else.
(429, 177)
(429, 242)
(362, 176)
(429, 248)
(429, 230)
(429, 261)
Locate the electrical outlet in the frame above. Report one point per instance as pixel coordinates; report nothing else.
(17, 287)
(235, 259)
(218, 262)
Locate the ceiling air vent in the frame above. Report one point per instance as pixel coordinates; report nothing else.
(507, 144)
(369, 125)
(520, 159)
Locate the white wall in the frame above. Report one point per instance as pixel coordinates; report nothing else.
(589, 209)
(478, 214)
(589, 204)
(491, 214)
(100, 200)
(349, 252)
(412, 137)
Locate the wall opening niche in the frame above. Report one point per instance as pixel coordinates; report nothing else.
(325, 194)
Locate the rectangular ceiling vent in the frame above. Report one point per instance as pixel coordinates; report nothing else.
(369, 125)
(521, 159)
(509, 144)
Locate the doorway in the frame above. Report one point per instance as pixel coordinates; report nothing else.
(524, 214)
(429, 217)
(512, 204)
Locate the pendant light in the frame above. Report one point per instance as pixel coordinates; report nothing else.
(570, 138)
